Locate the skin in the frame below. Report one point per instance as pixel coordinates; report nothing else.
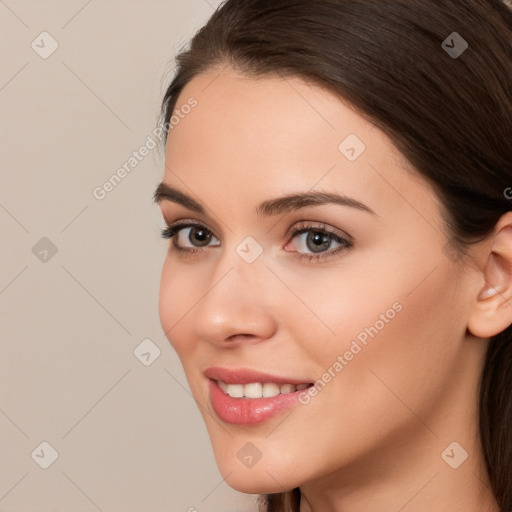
(372, 438)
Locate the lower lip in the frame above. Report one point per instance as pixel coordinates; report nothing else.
(249, 411)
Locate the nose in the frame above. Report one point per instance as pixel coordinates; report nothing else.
(237, 306)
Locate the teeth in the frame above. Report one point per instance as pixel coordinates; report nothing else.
(259, 390)
(253, 390)
(270, 389)
(287, 388)
(236, 390)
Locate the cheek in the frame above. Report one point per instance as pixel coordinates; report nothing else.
(336, 307)
(176, 299)
(419, 349)
(396, 313)
(397, 297)
(399, 344)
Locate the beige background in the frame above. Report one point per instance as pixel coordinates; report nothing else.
(128, 436)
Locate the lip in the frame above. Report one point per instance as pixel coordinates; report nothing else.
(247, 376)
(248, 411)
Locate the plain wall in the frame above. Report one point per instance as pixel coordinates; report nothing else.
(79, 275)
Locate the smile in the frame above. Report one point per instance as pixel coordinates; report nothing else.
(248, 397)
(259, 389)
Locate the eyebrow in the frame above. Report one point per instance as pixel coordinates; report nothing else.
(270, 207)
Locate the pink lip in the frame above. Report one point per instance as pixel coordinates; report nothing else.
(246, 376)
(248, 411)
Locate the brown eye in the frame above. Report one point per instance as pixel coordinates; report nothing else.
(198, 236)
(318, 241)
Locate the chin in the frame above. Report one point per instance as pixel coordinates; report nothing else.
(249, 482)
(260, 478)
(253, 465)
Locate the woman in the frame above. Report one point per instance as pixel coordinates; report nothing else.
(337, 191)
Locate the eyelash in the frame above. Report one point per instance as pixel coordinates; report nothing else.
(170, 231)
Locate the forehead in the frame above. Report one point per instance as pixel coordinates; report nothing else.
(259, 137)
(264, 113)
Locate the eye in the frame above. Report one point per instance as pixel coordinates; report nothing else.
(318, 239)
(196, 234)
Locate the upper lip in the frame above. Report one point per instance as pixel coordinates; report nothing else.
(247, 376)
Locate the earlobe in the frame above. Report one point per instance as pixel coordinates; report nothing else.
(491, 311)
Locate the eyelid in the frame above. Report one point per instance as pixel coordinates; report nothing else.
(311, 225)
(169, 211)
(187, 222)
(306, 224)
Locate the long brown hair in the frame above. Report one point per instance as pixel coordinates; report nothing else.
(404, 66)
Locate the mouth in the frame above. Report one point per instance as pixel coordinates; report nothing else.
(247, 397)
(254, 390)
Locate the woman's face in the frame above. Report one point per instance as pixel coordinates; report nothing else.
(377, 320)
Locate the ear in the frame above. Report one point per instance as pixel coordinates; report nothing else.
(491, 311)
